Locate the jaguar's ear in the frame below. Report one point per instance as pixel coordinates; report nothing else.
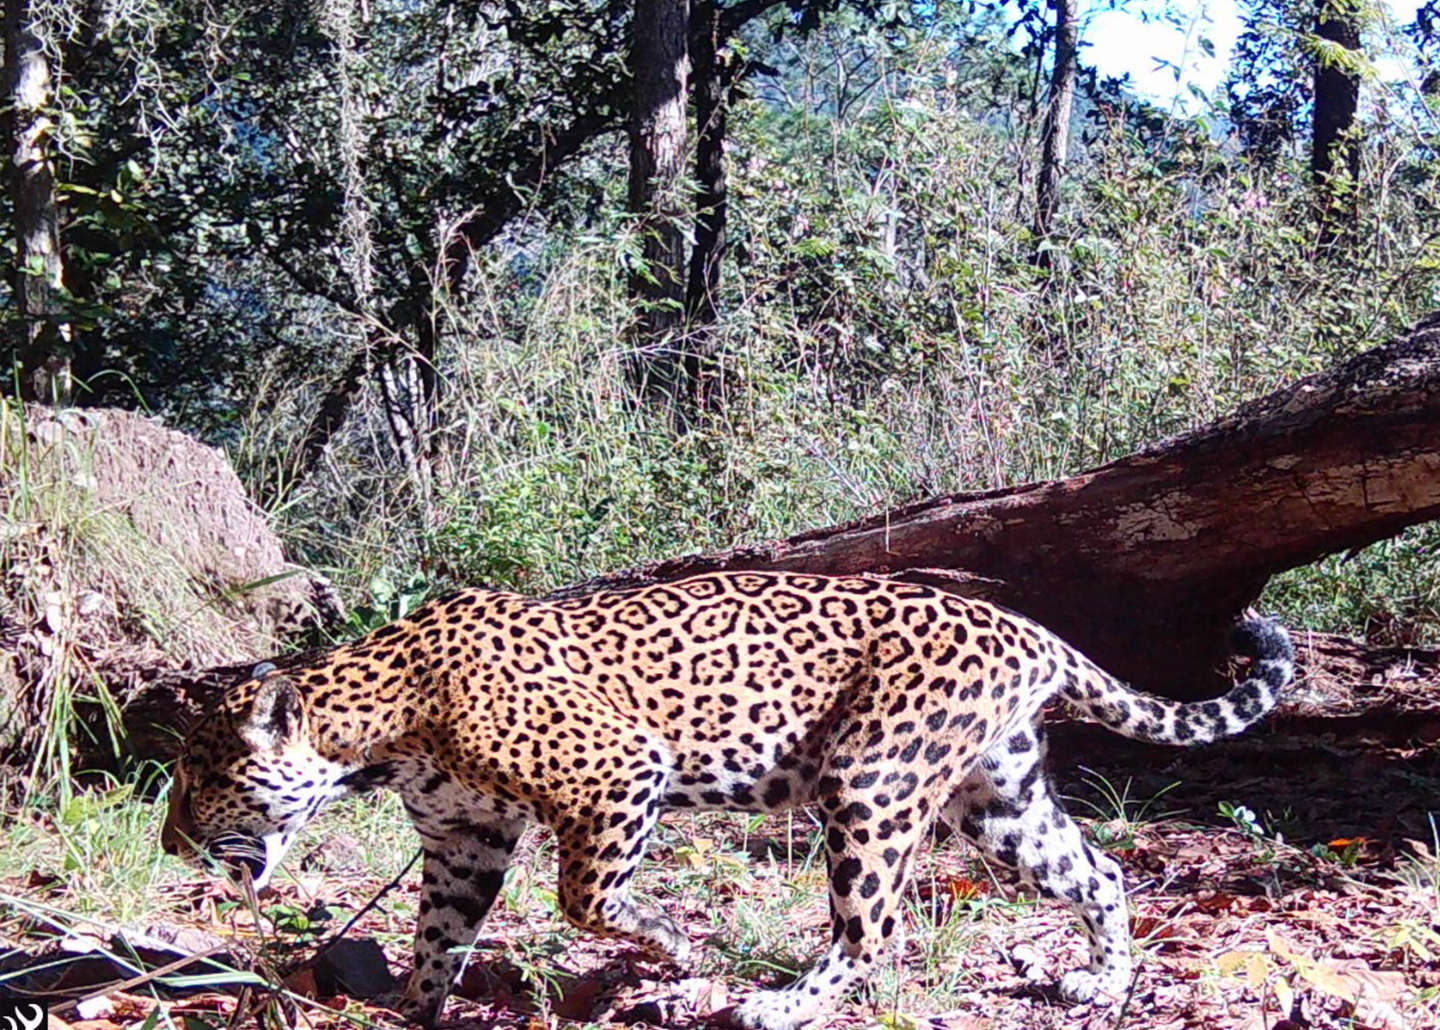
(277, 717)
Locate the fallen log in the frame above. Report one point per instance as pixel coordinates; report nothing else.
(1145, 562)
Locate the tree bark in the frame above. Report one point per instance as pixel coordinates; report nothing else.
(660, 70)
(712, 79)
(713, 76)
(1145, 562)
(1334, 152)
(1055, 131)
(44, 350)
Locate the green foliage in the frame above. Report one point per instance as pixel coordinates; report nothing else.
(1389, 592)
(1248, 824)
(1118, 812)
(387, 601)
(298, 926)
(1347, 857)
(1270, 84)
(237, 173)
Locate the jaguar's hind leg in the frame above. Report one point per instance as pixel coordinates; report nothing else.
(869, 841)
(1006, 808)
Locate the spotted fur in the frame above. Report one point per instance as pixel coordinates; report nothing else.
(885, 704)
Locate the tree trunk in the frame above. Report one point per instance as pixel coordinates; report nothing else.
(44, 350)
(419, 371)
(1055, 132)
(1145, 562)
(712, 80)
(713, 76)
(659, 65)
(1334, 152)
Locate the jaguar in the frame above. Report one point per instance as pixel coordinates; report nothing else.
(886, 705)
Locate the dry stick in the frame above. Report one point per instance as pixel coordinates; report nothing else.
(185, 960)
(370, 904)
(335, 938)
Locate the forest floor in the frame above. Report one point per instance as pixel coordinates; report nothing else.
(1277, 881)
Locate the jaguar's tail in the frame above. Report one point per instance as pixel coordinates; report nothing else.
(1143, 717)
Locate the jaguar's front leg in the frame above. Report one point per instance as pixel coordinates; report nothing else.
(463, 873)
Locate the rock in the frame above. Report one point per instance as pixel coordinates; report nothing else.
(353, 967)
(141, 552)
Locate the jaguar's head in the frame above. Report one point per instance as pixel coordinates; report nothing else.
(248, 780)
